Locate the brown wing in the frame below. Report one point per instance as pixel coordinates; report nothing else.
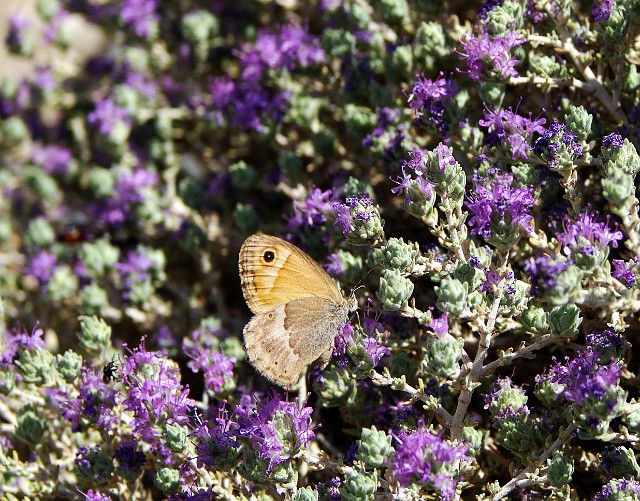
(274, 272)
(281, 342)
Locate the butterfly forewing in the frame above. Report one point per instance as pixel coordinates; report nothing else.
(274, 272)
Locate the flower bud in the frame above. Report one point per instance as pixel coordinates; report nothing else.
(473, 439)
(336, 387)
(35, 366)
(620, 462)
(579, 122)
(395, 12)
(167, 479)
(374, 447)
(200, 26)
(618, 188)
(245, 217)
(98, 257)
(359, 120)
(176, 437)
(290, 164)
(623, 489)
(565, 320)
(359, 485)
(560, 469)
(47, 9)
(305, 494)
(466, 273)
(43, 184)
(516, 433)
(534, 319)
(69, 365)
(40, 233)
(614, 29)
(395, 290)
(63, 284)
(400, 66)
(452, 295)
(94, 335)
(7, 380)
(101, 182)
(624, 158)
(93, 298)
(441, 356)
(31, 426)
(504, 18)
(14, 130)
(396, 254)
(338, 43)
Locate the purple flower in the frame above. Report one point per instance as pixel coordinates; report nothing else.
(602, 11)
(334, 266)
(246, 103)
(216, 444)
(136, 266)
(52, 30)
(543, 271)
(354, 211)
(216, 367)
(428, 459)
(624, 273)
(619, 489)
(343, 339)
(18, 24)
(92, 495)
(534, 13)
(292, 46)
(140, 15)
(146, 87)
(440, 326)
(609, 343)
(313, 210)
(130, 185)
(248, 100)
(506, 400)
(374, 349)
(106, 115)
(18, 340)
(430, 99)
(42, 266)
(501, 202)
(416, 164)
(490, 58)
(129, 459)
(517, 131)
(278, 430)
(92, 406)
(583, 378)
(54, 159)
(153, 393)
(586, 231)
(614, 139)
(371, 320)
(134, 270)
(129, 189)
(558, 146)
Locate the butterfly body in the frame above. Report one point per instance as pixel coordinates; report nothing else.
(297, 308)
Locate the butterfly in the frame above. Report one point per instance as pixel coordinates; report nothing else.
(297, 308)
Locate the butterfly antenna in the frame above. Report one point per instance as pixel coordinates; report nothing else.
(361, 279)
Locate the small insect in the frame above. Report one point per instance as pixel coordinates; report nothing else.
(109, 372)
